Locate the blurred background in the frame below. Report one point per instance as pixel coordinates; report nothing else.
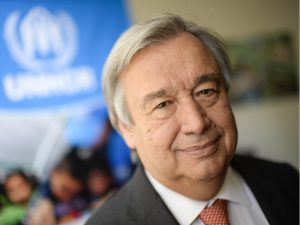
(51, 57)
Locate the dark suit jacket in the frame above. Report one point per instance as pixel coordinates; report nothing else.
(275, 186)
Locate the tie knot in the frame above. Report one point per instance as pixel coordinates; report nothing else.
(215, 214)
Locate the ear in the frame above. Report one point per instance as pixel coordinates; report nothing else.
(128, 134)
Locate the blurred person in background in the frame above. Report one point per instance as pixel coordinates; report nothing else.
(112, 148)
(100, 182)
(166, 82)
(63, 197)
(18, 189)
(93, 133)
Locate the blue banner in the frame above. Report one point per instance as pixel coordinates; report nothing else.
(52, 52)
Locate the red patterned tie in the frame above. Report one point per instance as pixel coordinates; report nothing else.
(216, 214)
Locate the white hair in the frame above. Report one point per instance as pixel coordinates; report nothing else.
(143, 35)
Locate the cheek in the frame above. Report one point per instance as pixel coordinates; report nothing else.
(161, 134)
(155, 141)
(224, 119)
(13, 197)
(221, 114)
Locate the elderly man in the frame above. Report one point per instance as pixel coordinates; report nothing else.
(166, 83)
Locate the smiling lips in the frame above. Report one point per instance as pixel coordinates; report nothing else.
(199, 151)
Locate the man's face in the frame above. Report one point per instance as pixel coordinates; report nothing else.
(183, 127)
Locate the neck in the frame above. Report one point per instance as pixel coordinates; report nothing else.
(199, 189)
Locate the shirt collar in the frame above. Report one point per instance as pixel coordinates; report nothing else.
(232, 189)
(186, 210)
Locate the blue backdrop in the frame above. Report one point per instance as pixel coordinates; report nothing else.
(52, 52)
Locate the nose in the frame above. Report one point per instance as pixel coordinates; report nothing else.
(193, 118)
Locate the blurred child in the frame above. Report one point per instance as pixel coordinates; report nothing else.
(18, 189)
(100, 181)
(62, 198)
(111, 145)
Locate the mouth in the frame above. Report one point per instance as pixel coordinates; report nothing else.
(203, 150)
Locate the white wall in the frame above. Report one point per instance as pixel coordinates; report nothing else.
(269, 128)
(229, 18)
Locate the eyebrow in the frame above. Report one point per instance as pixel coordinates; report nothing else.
(154, 95)
(205, 78)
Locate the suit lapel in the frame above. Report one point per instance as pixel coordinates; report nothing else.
(161, 215)
(147, 205)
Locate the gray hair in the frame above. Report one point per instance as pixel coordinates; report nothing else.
(143, 35)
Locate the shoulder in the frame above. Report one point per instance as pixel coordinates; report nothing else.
(264, 176)
(130, 205)
(135, 203)
(275, 186)
(112, 211)
(247, 165)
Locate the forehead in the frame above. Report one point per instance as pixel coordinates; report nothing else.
(16, 178)
(174, 62)
(184, 47)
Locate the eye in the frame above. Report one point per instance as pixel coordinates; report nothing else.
(207, 95)
(207, 92)
(163, 104)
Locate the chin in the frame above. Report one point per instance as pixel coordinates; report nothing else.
(212, 168)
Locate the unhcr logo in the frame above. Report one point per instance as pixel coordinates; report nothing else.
(44, 44)
(41, 40)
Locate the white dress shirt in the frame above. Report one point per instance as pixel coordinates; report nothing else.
(242, 205)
